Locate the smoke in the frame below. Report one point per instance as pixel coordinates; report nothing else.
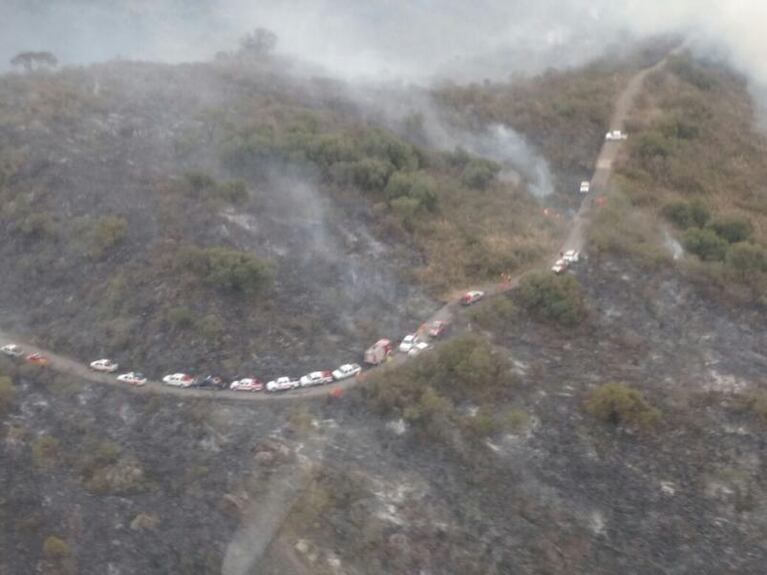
(386, 39)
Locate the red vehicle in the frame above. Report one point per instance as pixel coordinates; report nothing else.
(471, 297)
(438, 328)
(38, 359)
(378, 352)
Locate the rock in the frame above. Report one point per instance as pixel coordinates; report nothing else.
(144, 521)
(265, 457)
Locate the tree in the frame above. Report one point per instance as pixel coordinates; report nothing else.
(28, 60)
(705, 244)
(259, 42)
(552, 297)
(687, 214)
(619, 404)
(478, 173)
(747, 260)
(733, 229)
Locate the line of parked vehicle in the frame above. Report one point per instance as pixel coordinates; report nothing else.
(412, 344)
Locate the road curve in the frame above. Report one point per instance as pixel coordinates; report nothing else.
(573, 241)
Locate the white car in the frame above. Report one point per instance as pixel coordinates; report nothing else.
(559, 266)
(316, 378)
(105, 365)
(247, 384)
(346, 371)
(12, 350)
(418, 348)
(585, 187)
(133, 378)
(282, 384)
(178, 380)
(571, 256)
(408, 342)
(615, 135)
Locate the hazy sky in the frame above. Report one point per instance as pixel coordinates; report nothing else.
(382, 38)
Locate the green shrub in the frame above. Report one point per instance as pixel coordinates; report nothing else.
(497, 313)
(199, 182)
(478, 173)
(45, 451)
(733, 229)
(55, 548)
(103, 234)
(419, 187)
(39, 225)
(180, 317)
(747, 260)
(619, 404)
(653, 145)
(705, 243)
(552, 297)
(371, 174)
(226, 268)
(687, 214)
(385, 145)
(233, 191)
(7, 395)
(516, 419)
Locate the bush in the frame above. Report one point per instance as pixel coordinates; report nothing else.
(234, 192)
(687, 214)
(478, 173)
(371, 174)
(39, 225)
(227, 268)
(45, 451)
(618, 404)
(551, 297)
(7, 395)
(55, 548)
(653, 145)
(199, 182)
(103, 235)
(180, 317)
(419, 187)
(705, 243)
(733, 229)
(388, 147)
(747, 260)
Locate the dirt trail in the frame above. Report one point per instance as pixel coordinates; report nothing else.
(574, 241)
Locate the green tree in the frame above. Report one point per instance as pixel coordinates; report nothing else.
(747, 260)
(618, 404)
(552, 297)
(478, 173)
(55, 548)
(705, 243)
(103, 235)
(687, 214)
(733, 229)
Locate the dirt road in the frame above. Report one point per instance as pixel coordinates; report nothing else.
(574, 241)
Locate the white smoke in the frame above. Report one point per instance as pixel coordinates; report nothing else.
(391, 38)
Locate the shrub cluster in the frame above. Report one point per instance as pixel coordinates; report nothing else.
(425, 392)
(226, 268)
(557, 298)
(618, 404)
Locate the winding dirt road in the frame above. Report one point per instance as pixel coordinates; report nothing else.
(573, 241)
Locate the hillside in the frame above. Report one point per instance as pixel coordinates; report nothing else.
(242, 218)
(230, 217)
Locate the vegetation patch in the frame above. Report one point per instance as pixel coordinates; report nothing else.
(618, 404)
(556, 298)
(426, 392)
